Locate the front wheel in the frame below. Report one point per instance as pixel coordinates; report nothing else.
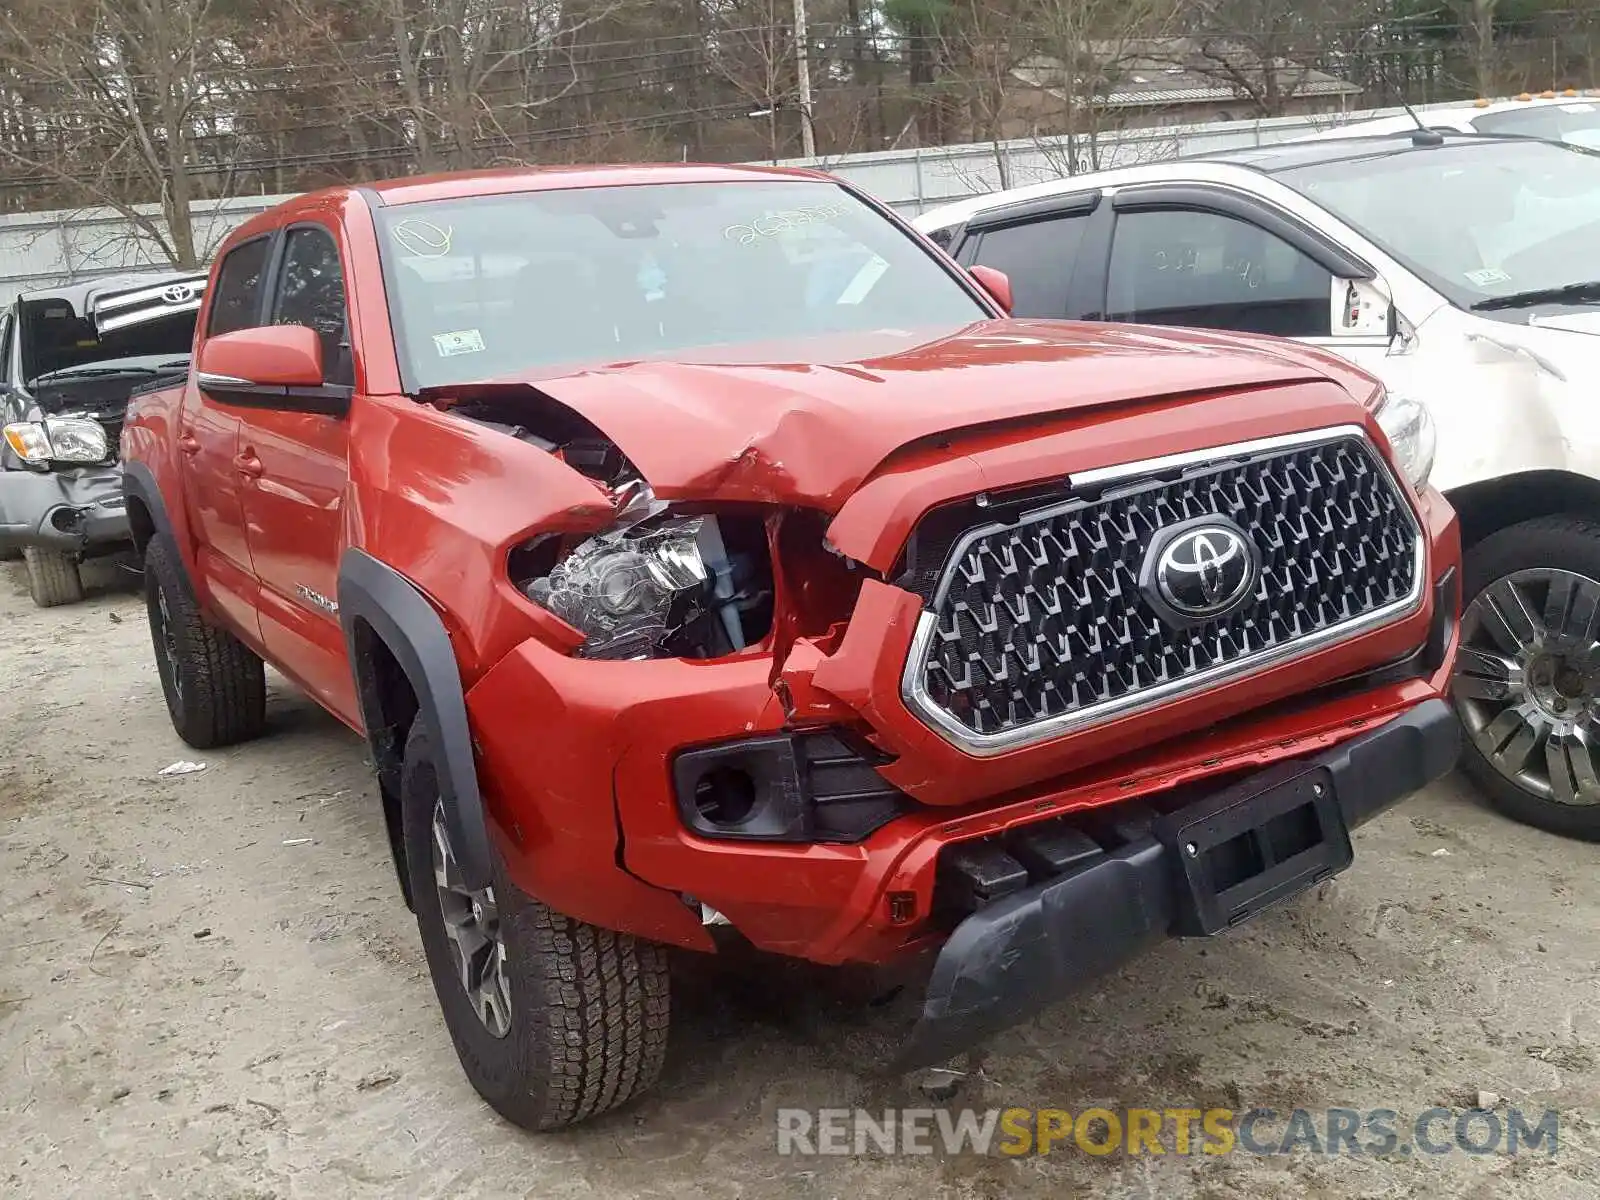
(53, 577)
(1527, 676)
(554, 1021)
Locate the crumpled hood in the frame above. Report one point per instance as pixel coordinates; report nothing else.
(809, 428)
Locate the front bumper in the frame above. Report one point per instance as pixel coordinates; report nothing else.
(1018, 954)
(76, 511)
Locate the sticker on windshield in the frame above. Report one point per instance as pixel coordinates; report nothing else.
(463, 341)
(1487, 275)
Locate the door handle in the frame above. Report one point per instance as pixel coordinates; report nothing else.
(188, 443)
(248, 464)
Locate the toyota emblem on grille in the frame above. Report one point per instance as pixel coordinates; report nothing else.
(178, 293)
(1204, 570)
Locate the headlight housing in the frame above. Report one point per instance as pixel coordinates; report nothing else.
(1409, 427)
(59, 439)
(619, 587)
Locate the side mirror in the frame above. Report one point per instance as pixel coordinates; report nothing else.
(996, 283)
(1362, 308)
(277, 359)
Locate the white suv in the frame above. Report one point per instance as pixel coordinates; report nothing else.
(1464, 271)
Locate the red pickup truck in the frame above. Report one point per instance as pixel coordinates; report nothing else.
(707, 560)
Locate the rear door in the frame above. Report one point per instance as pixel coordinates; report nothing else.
(1210, 258)
(208, 442)
(297, 450)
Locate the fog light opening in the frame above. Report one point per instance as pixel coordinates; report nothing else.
(725, 796)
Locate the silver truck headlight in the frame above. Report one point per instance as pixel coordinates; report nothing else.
(1409, 427)
(59, 439)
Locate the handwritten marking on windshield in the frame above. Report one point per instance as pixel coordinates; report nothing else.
(423, 239)
(787, 221)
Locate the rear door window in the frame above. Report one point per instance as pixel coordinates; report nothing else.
(237, 301)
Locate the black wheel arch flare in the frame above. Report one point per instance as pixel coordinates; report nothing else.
(376, 601)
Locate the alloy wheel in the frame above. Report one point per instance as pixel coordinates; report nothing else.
(1527, 682)
(472, 925)
(167, 639)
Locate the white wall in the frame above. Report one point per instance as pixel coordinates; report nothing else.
(45, 248)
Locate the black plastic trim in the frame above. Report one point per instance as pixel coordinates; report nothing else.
(139, 483)
(328, 400)
(376, 594)
(809, 786)
(1325, 252)
(1018, 954)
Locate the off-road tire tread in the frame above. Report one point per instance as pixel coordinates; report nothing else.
(53, 577)
(590, 1007)
(1573, 543)
(225, 695)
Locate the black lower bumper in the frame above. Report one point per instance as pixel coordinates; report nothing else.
(77, 511)
(1198, 871)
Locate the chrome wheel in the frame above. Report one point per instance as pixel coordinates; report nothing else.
(1527, 682)
(472, 925)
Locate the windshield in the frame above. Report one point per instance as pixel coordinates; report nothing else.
(1577, 122)
(55, 338)
(1494, 218)
(494, 286)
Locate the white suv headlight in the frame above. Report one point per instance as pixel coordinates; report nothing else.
(1409, 428)
(59, 439)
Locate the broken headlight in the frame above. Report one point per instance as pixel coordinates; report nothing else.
(628, 589)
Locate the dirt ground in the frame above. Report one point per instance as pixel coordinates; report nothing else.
(209, 987)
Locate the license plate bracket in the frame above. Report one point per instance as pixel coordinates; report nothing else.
(1247, 847)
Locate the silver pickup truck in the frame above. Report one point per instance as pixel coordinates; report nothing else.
(70, 358)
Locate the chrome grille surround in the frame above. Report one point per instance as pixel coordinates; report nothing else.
(1141, 480)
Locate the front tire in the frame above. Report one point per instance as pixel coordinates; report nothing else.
(215, 685)
(554, 1021)
(1527, 677)
(53, 578)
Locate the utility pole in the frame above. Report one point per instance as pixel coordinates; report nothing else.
(802, 61)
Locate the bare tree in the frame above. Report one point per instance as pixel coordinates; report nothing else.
(119, 85)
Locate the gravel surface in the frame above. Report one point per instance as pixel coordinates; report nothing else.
(209, 986)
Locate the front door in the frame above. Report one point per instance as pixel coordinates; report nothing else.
(298, 461)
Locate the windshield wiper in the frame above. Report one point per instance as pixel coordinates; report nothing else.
(92, 373)
(1567, 292)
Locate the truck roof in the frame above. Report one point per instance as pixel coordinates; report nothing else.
(538, 179)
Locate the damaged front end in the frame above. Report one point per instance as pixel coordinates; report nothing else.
(733, 680)
(81, 355)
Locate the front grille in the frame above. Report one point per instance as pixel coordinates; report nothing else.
(1044, 623)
